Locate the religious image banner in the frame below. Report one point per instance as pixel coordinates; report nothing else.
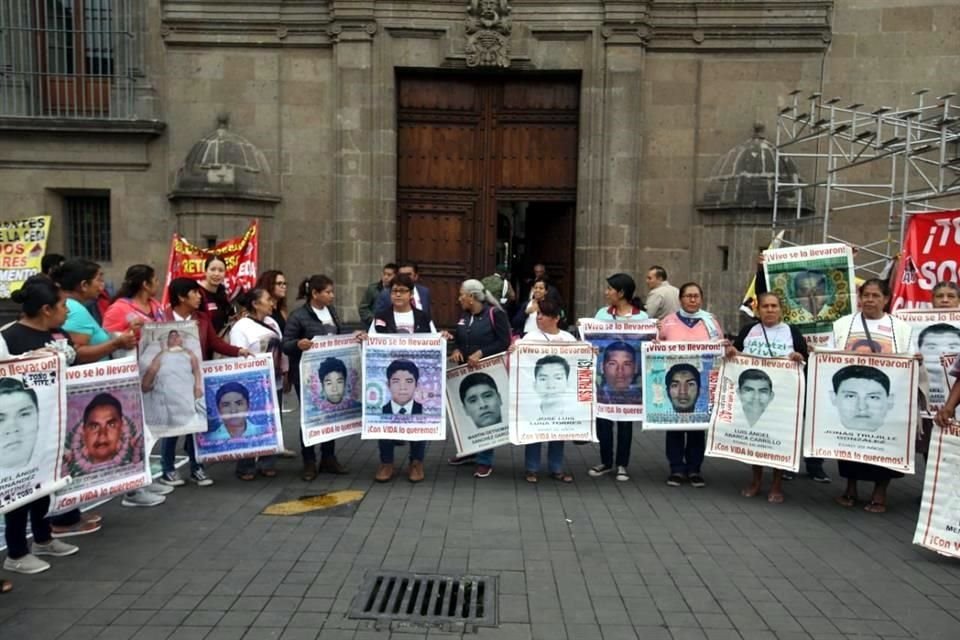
(816, 287)
(477, 405)
(22, 245)
(552, 392)
(105, 449)
(680, 384)
(33, 399)
(404, 378)
(171, 379)
(619, 346)
(862, 408)
(331, 385)
(929, 255)
(935, 334)
(938, 524)
(243, 418)
(759, 416)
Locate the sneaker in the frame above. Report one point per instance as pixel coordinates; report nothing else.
(674, 480)
(483, 471)
(820, 476)
(599, 470)
(696, 481)
(456, 462)
(91, 517)
(142, 498)
(622, 475)
(80, 529)
(55, 548)
(200, 476)
(788, 475)
(28, 564)
(159, 489)
(171, 479)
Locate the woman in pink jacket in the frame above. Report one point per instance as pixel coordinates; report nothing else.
(685, 449)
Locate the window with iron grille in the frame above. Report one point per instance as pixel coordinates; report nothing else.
(70, 58)
(88, 227)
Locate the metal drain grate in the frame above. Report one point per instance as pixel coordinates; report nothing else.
(428, 599)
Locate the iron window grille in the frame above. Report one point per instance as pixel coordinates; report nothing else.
(88, 227)
(70, 58)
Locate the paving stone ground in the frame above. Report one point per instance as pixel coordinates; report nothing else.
(596, 559)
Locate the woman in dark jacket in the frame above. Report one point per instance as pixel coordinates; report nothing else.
(483, 330)
(317, 317)
(216, 302)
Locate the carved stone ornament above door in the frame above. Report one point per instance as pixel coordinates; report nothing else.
(488, 27)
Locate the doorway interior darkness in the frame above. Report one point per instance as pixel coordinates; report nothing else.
(486, 173)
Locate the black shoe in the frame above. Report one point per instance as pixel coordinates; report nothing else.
(675, 480)
(697, 481)
(456, 462)
(820, 476)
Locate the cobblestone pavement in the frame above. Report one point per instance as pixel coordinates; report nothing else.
(595, 559)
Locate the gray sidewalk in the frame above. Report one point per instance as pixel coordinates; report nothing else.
(595, 559)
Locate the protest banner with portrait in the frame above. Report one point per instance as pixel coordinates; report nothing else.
(33, 407)
(238, 254)
(619, 391)
(477, 405)
(404, 377)
(330, 389)
(552, 392)
(105, 449)
(759, 416)
(680, 384)
(936, 333)
(243, 418)
(938, 524)
(929, 255)
(862, 407)
(816, 286)
(171, 380)
(22, 245)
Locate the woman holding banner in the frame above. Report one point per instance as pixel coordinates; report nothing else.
(946, 296)
(482, 330)
(769, 337)
(135, 303)
(317, 317)
(215, 303)
(44, 312)
(258, 332)
(685, 449)
(870, 330)
(622, 306)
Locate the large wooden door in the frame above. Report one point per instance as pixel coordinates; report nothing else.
(465, 143)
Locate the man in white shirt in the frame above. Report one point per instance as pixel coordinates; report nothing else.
(664, 298)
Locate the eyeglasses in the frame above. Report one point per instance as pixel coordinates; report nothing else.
(690, 295)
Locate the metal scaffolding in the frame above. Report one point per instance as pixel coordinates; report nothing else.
(883, 164)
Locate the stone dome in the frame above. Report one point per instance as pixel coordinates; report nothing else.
(224, 164)
(744, 178)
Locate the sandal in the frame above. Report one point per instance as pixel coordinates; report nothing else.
(563, 476)
(268, 473)
(845, 500)
(247, 477)
(6, 586)
(875, 507)
(532, 477)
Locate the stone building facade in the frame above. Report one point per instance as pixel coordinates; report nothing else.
(663, 90)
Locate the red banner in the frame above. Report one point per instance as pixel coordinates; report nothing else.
(240, 255)
(930, 254)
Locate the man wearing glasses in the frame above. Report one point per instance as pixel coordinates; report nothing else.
(420, 295)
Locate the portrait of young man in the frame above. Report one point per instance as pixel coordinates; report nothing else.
(481, 399)
(550, 381)
(402, 379)
(683, 387)
(862, 397)
(755, 392)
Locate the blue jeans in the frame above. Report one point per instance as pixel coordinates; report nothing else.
(685, 451)
(418, 448)
(531, 454)
(485, 457)
(168, 450)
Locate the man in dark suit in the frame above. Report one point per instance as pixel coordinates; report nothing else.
(402, 379)
(421, 294)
